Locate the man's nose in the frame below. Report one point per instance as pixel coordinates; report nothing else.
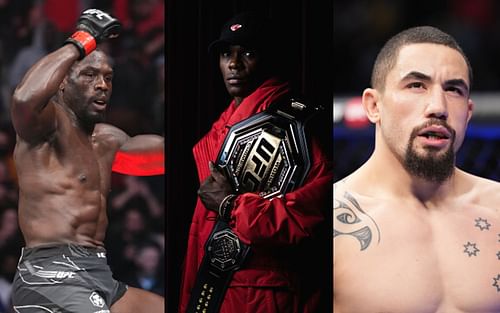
(101, 83)
(437, 105)
(234, 61)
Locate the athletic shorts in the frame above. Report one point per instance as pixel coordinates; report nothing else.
(64, 278)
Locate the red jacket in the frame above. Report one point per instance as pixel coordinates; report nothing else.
(274, 228)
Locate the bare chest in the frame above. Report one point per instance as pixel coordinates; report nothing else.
(432, 262)
(70, 162)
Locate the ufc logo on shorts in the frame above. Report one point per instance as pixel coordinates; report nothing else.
(55, 274)
(98, 13)
(62, 275)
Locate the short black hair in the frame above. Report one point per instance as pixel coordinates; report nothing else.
(386, 59)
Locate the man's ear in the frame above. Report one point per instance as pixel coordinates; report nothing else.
(370, 101)
(62, 85)
(470, 108)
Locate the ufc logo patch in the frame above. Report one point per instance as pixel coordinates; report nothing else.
(263, 156)
(97, 13)
(55, 274)
(101, 255)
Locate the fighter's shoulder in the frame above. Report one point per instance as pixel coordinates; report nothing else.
(339, 188)
(487, 190)
(108, 133)
(484, 182)
(106, 128)
(345, 189)
(346, 184)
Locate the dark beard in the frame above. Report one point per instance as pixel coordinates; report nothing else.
(87, 120)
(91, 118)
(433, 167)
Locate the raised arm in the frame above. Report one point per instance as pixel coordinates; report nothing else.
(33, 115)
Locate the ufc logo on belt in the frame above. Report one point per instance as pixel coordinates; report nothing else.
(262, 158)
(98, 13)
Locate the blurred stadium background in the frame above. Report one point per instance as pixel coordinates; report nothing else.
(362, 27)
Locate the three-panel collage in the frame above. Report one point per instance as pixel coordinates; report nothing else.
(173, 156)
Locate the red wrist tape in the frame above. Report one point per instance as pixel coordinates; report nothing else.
(88, 41)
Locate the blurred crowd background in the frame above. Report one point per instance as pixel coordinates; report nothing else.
(362, 27)
(30, 29)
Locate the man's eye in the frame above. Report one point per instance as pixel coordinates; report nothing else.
(415, 85)
(249, 54)
(456, 90)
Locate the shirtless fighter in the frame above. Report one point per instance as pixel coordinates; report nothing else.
(412, 232)
(64, 158)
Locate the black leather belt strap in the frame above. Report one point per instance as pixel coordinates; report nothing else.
(224, 254)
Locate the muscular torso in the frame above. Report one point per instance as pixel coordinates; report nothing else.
(64, 182)
(394, 255)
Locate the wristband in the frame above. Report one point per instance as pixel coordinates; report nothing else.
(84, 41)
(225, 207)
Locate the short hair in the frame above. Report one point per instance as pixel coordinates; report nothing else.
(386, 58)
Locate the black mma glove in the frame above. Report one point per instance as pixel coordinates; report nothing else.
(93, 27)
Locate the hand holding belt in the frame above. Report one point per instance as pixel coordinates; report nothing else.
(226, 206)
(266, 153)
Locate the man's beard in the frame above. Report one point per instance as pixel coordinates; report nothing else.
(434, 166)
(93, 117)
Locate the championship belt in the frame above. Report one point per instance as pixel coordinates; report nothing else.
(224, 254)
(266, 154)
